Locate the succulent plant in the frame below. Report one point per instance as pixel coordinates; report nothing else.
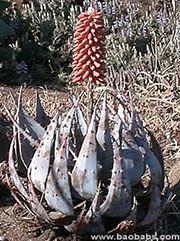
(83, 171)
(86, 173)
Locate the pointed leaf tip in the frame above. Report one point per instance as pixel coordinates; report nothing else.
(84, 174)
(39, 166)
(57, 193)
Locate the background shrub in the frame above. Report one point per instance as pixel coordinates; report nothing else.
(142, 41)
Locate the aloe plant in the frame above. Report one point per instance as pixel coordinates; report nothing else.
(82, 170)
(66, 175)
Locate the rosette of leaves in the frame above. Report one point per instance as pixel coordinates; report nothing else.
(86, 175)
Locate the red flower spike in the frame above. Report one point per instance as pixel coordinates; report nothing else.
(89, 50)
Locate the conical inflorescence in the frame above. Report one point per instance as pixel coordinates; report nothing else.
(89, 51)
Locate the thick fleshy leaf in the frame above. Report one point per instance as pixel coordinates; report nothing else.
(121, 113)
(84, 174)
(13, 174)
(81, 121)
(66, 123)
(16, 146)
(128, 224)
(34, 129)
(26, 151)
(24, 148)
(58, 140)
(14, 193)
(22, 131)
(154, 208)
(91, 223)
(57, 193)
(76, 225)
(104, 148)
(118, 201)
(126, 114)
(118, 127)
(80, 130)
(123, 110)
(156, 150)
(93, 220)
(21, 163)
(134, 164)
(37, 207)
(103, 126)
(39, 166)
(155, 168)
(131, 154)
(150, 160)
(41, 116)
